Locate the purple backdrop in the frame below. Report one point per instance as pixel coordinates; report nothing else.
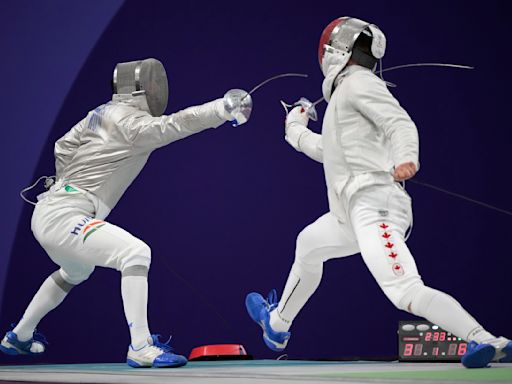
(221, 210)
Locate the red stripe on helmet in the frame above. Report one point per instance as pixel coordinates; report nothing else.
(326, 36)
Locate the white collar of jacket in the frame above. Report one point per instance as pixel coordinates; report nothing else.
(336, 75)
(139, 101)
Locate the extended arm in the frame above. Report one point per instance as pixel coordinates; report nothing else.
(66, 146)
(155, 132)
(300, 137)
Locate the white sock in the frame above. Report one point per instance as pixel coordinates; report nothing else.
(497, 342)
(301, 284)
(278, 323)
(134, 290)
(480, 335)
(49, 296)
(443, 310)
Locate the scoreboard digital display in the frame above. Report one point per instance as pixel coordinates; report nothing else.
(424, 341)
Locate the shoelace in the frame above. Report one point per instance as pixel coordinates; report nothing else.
(166, 347)
(272, 300)
(37, 336)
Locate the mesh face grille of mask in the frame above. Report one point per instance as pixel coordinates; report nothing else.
(153, 80)
(146, 75)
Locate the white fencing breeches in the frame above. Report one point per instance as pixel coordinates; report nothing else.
(65, 226)
(378, 217)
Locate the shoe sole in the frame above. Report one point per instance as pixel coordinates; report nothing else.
(135, 364)
(276, 347)
(12, 351)
(252, 309)
(167, 365)
(272, 345)
(480, 357)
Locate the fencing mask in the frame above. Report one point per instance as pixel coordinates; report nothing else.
(345, 38)
(143, 77)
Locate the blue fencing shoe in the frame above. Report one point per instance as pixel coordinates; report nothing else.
(259, 309)
(154, 354)
(478, 355)
(505, 353)
(10, 344)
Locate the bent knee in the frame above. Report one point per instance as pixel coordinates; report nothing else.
(137, 254)
(402, 293)
(300, 267)
(135, 271)
(307, 242)
(67, 279)
(419, 301)
(305, 239)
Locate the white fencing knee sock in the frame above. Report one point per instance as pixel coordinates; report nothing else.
(51, 293)
(134, 289)
(301, 284)
(443, 310)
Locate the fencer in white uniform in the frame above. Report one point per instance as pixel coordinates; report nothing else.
(96, 161)
(368, 143)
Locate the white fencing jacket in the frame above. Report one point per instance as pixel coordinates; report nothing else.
(365, 133)
(102, 154)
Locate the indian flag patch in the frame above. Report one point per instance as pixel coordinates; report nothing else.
(91, 228)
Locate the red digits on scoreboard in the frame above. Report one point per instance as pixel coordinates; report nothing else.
(408, 349)
(435, 351)
(436, 336)
(462, 349)
(442, 336)
(428, 336)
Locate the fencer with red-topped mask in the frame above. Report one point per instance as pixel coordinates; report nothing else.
(367, 146)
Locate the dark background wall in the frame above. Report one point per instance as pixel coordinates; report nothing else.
(221, 210)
